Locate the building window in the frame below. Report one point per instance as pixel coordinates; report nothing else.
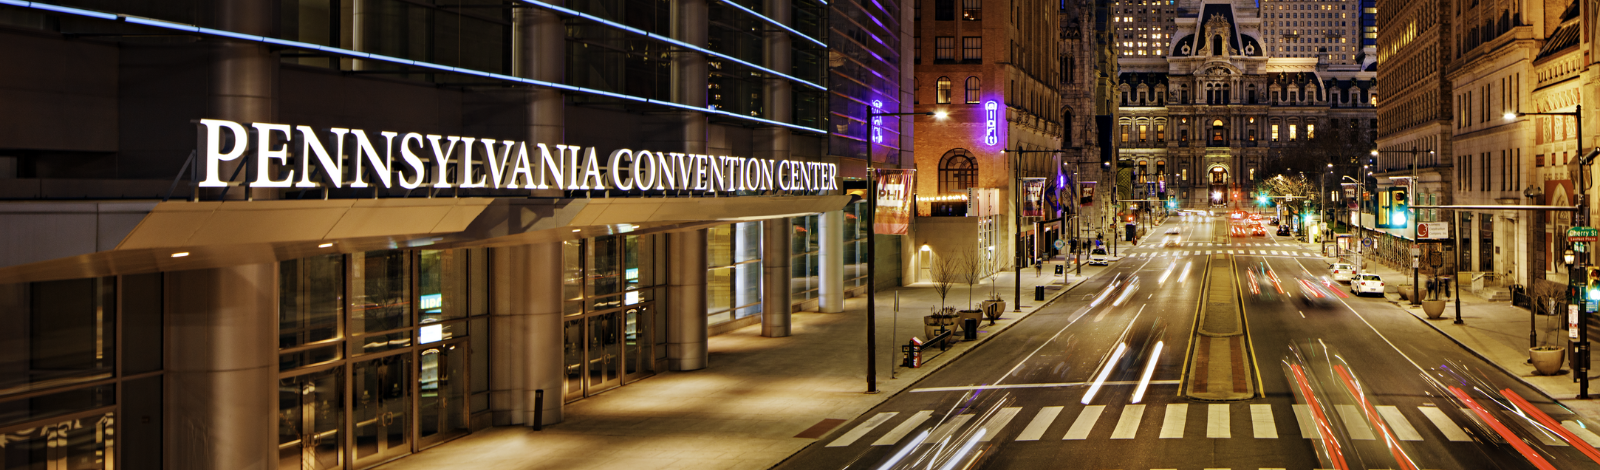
(944, 10)
(972, 49)
(1311, 131)
(1218, 136)
(1125, 132)
(1144, 132)
(957, 172)
(944, 90)
(972, 10)
(1291, 132)
(944, 48)
(1274, 132)
(1161, 132)
(974, 90)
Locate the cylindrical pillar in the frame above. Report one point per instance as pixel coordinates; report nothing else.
(686, 300)
(775, 299)
(541, 55)
(244, 75)
(832, 254)
(525, 341)
(221, 402)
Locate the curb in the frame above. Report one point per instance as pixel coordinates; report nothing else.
(1514, 375)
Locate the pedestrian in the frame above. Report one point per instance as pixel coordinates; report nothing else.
(1432, 287)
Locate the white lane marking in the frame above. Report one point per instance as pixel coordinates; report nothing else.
(862, 429)
(999, 422)
(1308, 425)
(1355, 422)
(1582, 432)
(949, 427)
(1442, 422)
(1398, 423)
(1261, 422)
(1217, 421)
(1173, 424)
(1128, 424)
(1040, 423)
(1080, 428)
(900, 432)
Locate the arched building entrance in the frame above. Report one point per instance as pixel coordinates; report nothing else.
(1217, 181)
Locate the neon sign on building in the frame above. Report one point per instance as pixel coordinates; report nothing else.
(877, 122)
(991, 110)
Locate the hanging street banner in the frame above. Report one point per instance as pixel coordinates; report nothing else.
(1033, 197)
(1086, 193)
(894, 201)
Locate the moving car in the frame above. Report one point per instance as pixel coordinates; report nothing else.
(1342, 272)
(1098, 257)
(1283, 230)
(1258, 231)
(1172, 238)
(1239, 231)
(1366, 283)
(1318, 292)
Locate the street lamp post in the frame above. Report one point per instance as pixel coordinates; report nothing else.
(1580, 364)
(1016, 181)
(872, 242)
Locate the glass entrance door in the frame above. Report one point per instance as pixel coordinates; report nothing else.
(382, 408)
(604, 353)
(441, 393)
(310, 414)
(636, 341)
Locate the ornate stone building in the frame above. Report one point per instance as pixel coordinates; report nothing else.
(1216, 115)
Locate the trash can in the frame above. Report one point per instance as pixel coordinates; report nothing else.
(969, 327)
(1038, 292)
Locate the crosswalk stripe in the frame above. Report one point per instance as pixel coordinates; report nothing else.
(1398, 422)
(1217, 421)
(1308, 425)
(1261, 422)
(1443, 423)
(999, 422)
(1128, 424)
(948, 427)
(1172, 424)
(1355, 422)
(1080, 428)
(862, 430)
(1582, 432)
(900, 432)
(1040, 423)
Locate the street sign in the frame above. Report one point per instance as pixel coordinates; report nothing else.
(1060, 243)
(1415, 263)
(1572, 321)
(1433, 230)
(1416, 251)
(1366, 242)
(1582, 234)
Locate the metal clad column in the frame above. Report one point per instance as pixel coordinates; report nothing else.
(541, 55)
(244, 75)
(525, 340)
(686, 300)
(777, 95)
(689, 73)
(221, 393)
(775, 300)
(832, 288)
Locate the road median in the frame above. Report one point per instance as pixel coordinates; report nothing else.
(1220, 358)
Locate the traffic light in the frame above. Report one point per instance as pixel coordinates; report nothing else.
(1172, 203)
(1592, 288)
(1398, 207)
(1261, 199)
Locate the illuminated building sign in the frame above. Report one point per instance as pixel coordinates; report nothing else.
(877, 122)
(991, 111)
(288, 152)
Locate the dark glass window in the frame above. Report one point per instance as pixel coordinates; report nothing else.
(957, 172)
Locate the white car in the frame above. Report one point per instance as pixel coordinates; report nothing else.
(1098, 257)
(1342, 272)
(1172, 238)
(1366, 284)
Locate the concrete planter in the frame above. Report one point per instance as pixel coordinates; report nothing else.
(1434, 309)
(931, 325)
(1547, 359)
(992, 309)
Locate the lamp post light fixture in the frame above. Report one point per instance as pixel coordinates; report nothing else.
(872, 213)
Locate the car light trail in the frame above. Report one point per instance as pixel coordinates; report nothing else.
(1164, 275)
(1149, 368)
(1106, 372)
(1185, 274)
(955, 459)
(904, 450)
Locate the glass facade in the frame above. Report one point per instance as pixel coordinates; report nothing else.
(612, 331)
(805, 265)
(377, 354)
(865, 39)
(733, 271)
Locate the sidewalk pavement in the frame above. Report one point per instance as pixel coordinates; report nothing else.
(751, 406)
(1498, 333)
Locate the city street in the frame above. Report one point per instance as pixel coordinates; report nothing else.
(1040, 395)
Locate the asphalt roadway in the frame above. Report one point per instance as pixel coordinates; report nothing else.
(1033, 389)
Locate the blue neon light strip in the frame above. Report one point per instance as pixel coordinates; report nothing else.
(670, 40)
(774, 23)
(395, 60)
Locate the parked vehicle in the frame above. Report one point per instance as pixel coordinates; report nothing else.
(1283, 230)
(1366, 283)
(1098, 257)
(1342, 272)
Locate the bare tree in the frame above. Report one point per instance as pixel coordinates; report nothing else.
(945, 276)
(969, 268)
